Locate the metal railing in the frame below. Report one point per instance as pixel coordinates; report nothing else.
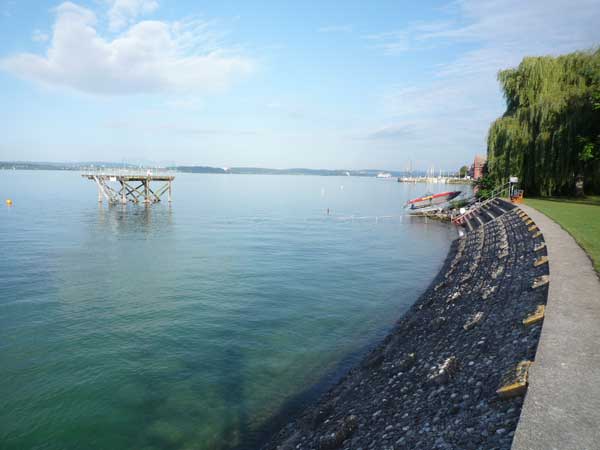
(123, 171)
(496, 193)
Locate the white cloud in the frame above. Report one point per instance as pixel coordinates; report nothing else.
(409, 39)
(397, 130)
(453, 109)
(503, 31)
(39, 36)
(149, 56)
(124, 12)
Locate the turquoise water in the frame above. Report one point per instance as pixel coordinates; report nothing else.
(193, 326)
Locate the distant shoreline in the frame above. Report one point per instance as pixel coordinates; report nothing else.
(25, 165)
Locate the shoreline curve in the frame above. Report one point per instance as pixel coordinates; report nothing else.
(562, 408)
(432, 382)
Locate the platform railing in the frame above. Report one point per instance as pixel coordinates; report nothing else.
(124, 171)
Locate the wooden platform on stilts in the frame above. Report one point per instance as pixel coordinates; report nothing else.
(122, 186)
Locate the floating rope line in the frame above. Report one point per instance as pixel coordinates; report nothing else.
(322, 219)
(365, 218)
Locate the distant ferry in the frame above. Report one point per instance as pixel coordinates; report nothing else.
(432, 200)
(384, 175)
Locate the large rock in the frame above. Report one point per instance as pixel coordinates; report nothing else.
(445, 371)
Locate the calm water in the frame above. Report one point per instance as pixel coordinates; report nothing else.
(190, 327)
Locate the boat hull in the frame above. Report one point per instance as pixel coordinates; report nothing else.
(432, 200)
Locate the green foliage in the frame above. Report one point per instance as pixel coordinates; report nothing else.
(550, 132)
(462, 172)
(596, 101)
(457, 204)
(588, 149)
(484, 187)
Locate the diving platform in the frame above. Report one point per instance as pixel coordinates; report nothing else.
(135, 186)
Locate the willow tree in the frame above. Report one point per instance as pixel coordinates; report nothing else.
(549, 135)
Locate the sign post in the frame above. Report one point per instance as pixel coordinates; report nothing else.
(516, 195)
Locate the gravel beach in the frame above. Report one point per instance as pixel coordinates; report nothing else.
(432, 383)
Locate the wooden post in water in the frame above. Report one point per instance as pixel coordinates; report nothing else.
(170, 198)
(146, 189)
(123, 199)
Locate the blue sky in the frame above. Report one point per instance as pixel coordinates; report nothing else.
(350, 84)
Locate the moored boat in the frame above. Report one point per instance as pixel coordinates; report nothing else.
(432, 200)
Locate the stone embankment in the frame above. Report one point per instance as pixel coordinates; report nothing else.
(433, 382)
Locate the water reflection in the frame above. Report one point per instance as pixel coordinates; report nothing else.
(132, 219)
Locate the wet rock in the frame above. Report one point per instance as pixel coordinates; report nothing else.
(374, 361)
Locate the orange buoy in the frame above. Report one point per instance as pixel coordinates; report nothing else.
(9, 202)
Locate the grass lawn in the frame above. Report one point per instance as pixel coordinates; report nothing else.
(580, 217)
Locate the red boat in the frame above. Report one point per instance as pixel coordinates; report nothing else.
(432, 200)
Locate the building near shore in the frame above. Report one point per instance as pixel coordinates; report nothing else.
(476, 170)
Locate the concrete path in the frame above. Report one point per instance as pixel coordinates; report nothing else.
(562, 406)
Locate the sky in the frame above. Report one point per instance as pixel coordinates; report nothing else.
(323, 84)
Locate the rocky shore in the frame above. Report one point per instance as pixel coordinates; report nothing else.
(433, 382)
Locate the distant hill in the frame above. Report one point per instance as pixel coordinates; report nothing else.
(198, 169)
(27, 165)
(292, 171)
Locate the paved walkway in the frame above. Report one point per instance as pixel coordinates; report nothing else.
(562, 406)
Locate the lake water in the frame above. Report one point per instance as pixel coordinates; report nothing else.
(194, 326)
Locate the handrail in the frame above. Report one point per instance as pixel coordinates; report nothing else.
(495, 194)
(112, 171)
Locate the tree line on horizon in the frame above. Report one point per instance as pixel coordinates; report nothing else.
(549, 135)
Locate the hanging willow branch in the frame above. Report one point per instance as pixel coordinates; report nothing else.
(550, 132)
